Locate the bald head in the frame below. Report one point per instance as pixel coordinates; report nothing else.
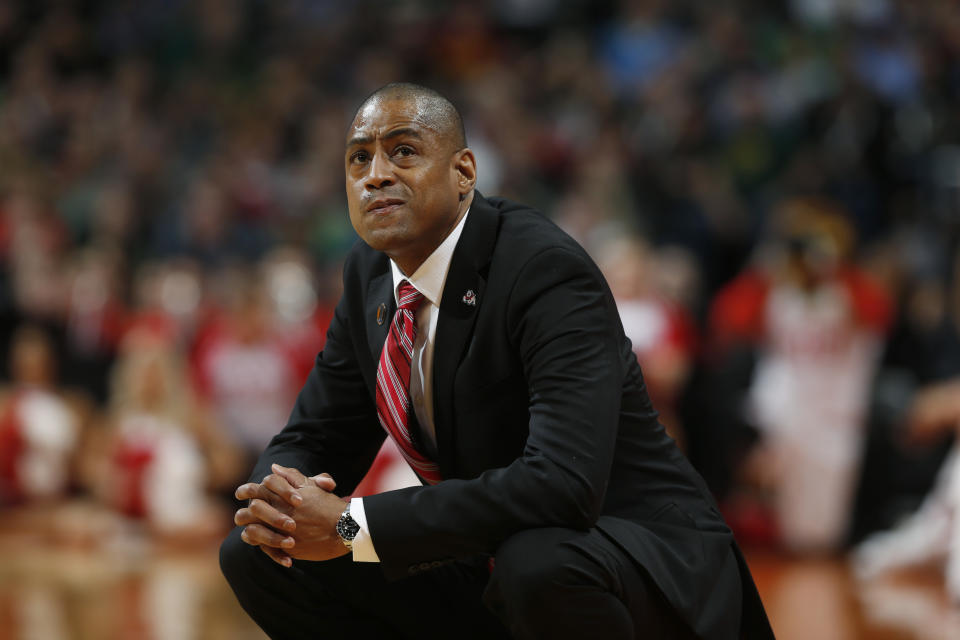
(409, 175)
(435, 110)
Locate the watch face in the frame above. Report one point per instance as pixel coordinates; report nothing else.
(347, 527)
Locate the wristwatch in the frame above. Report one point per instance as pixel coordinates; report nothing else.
(347, 528)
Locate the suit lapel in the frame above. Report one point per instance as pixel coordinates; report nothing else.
(378, 310)
(458, 312)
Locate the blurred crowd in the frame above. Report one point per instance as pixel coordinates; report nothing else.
(772, 188)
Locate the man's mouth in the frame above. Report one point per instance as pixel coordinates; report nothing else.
(384, 205)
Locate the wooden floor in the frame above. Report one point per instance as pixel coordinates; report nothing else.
(131, 589)
(819, 599)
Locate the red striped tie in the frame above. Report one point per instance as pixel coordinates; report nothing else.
(393, 381)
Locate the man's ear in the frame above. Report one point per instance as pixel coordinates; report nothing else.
(465, 164)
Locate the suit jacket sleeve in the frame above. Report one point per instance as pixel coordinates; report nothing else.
(563, 328)
(333, 427)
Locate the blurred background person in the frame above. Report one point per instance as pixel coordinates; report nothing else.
(39, 430)
(243, 368)
(662, 332)
(816, 323)
(160, 456)
(909, 495)
(95, 319)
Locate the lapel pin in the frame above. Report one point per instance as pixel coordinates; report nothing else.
(470, 298)
(381, 313)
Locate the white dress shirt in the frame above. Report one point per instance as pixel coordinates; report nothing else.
(429, 280)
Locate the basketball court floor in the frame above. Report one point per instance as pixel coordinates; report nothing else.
(130, 588)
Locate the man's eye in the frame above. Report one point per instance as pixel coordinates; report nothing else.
(404, 151)
(359, 156)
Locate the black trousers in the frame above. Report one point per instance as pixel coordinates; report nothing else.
(546, 583)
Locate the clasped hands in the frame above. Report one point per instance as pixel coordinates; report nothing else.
(291, 516)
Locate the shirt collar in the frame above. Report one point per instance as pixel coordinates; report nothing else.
(430, 277)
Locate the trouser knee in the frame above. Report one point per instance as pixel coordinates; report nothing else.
(537, 572)
(531, 567)
(236, 558)
(559, 583)
(246, 568)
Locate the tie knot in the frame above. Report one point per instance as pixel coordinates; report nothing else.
(408, 297)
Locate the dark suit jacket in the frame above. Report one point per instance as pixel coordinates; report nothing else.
(542, 419)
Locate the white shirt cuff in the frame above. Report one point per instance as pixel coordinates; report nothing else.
(363, 550)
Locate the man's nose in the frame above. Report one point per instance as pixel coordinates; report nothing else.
(381, 172)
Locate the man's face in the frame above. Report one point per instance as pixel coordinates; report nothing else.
(403, 180)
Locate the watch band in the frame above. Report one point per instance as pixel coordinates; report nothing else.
(347, 528)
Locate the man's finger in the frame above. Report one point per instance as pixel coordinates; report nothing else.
(243, 517)
(268, 514)
(247, 491)
(248, 515)
(278, 556)
(284, 488)
(294, 476)
(260, 535)
(324, 481)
